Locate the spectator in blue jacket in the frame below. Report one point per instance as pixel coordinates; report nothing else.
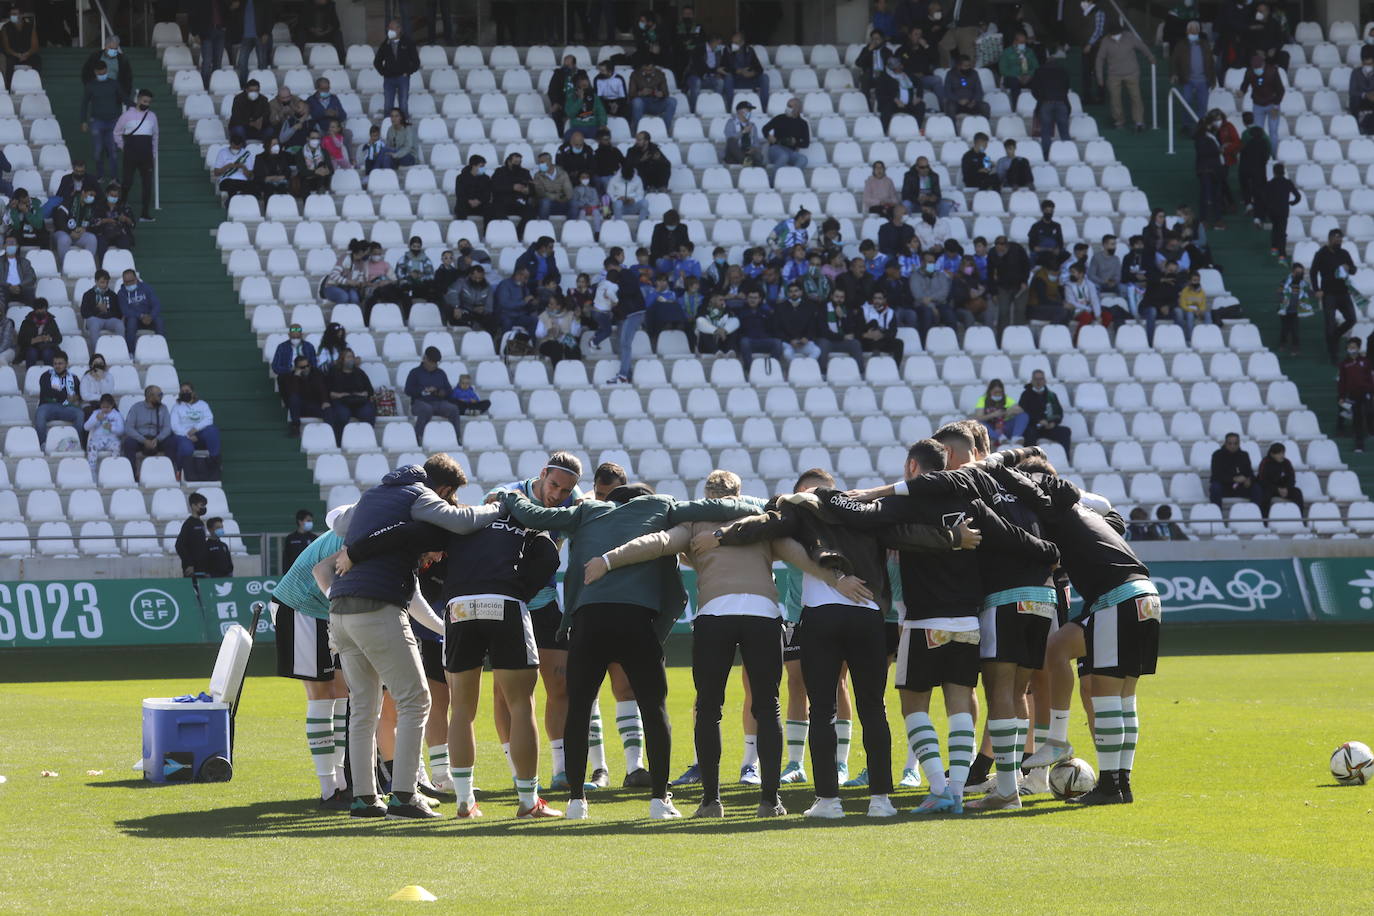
(140, 307)
(428, 388)
(325, 106)
(964, 90)
(515, 304)
(757, 333)
(539, 263)
(59, 398)
(287, 352)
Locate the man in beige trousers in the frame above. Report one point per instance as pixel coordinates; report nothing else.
(1117, 66)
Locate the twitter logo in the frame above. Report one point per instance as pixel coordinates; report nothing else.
(223, 588)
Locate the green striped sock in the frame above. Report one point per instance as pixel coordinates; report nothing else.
(961, 744)
(796, 740)
(1130, 733)
(528, 790)
(631, 728)
(1003, 733)
(596, 750)
(438, 761)
(925, 744)
(1107, 732)
(844, 728)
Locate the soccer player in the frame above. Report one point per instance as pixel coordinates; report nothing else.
(737, 609)
(490, 576)
(300, 615)
(622, 617)
(1116, 635)
(556, 485)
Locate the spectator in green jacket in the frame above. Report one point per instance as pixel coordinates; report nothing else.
(1017, 65)
(584, 109)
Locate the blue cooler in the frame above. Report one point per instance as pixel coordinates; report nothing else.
(190, 741)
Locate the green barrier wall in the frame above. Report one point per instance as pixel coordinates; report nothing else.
(137, 612)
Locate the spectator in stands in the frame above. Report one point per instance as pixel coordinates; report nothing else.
(288, 352)
(396, 60)
(1017, 67)
(649, 162)
(920, 60)
(556, 333)
(139, 305)
(250, 29)
(609, 159)
(295, 543)
(1331, 270)
(74, 225)
(587, 202)
(117, 68)
(1104, 270)
(626, 193)
(1266, 93)
(576, 155)
(897, 92)
(1093, 32)
(758, 330)
(1139, 528)
(102, 102)
(787, 135)
(1277, 196)
(585, 109)
(1277, 480)
(318, 23)
(743, 139)
(1117, 68)
(879, 334)
(1004, 419)
(608, 91)
(303, 389)
(716, 327)
(1161, 298)
(136, 133)
(838, 328)
(1050, 86)
(880, 194)
(415, 272)
(332, 344)
(512, 191)
(72, 183)
(514, 303)
(469, 402)
(1355, 389)
(1009, 278)
(968, 293)
(1045, 297)
(371, 154)
(190, 543)
(282, 106)
(1045, 235)
(797, 322)
(538, 263)
(234, 168)
(1266, 35)
(1232, 474)
(313, 169)
(965, 23)
(428, 388)
(39, 336)
(380, 283)
(104, 432)
(709, 68)
(1360, 93)
(59, 397)
(1044, 412)
(1295, 302)
(218, 564)
(472, 190)
(921, 186)
(193, 429)
(349, 391)
(1192, 306)
(402, 145)
(896, 234)
(147, 429)
(335, 146)
(100, 312)
(1014, 171)
(1080, 295)
(649, 95)
(872, 62)
(96, 382)
(668, 237)
(344, 284)
(976, 166)
(251, 114)
(552, 187)
(1191, 68)
(24, 221)
(325, 106)
(964, 90)
(9, 341)
(19, 42)
(272, 169)
(561, 81)
(745, 68)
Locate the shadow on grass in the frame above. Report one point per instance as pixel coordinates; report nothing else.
(133, 782)
(304, 819)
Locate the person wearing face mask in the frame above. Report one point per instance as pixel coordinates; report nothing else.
(114, 221)
(250, 29)
(964, 90)
(104, 428)
(1360, 97)
(95, 384)
(59, 398)
(1017, 67)
(76, 181)
(1044, 413)
(1176, 23)
(1355, 389)
(193, 429)
(1210, 168)
(897, 92)
(305, 394)
(234, 168)
(294, 544)
(1266, 93)
(100, 313)
(552, 188)
(415, 271)
(587, 202)
(1192, 69)
(24, 221)
(324, 106)
(136, 133)
(350, 394)
(649, 95)
(318, 23)
(1117, 67)
(141, 309)
(744, 66)
(288, 352)
(314, 168)
(190, 543)
(512, 191)
(977, 166)
(18, 281)
(1104, 270)
(74, 225)
(709, 69)
(472, 190)
(251, 114)
(102, 102)
(272, 169)
(19, 42)
(1295, 302)
(396, 60)
(147, 429)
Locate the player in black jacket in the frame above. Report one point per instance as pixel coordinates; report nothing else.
(1116, 634)
(490, 576)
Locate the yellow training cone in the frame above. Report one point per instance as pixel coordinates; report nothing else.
(413, 892)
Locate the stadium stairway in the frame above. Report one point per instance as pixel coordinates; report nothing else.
(266, 477)
(1251, 273)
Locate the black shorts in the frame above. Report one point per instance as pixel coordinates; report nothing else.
(791, 642)
(507, 642)
(1016, 632)
(1122, 640)
(432, 659)
(923, 665)
(894, 637)
(547, 620)
(302, 645)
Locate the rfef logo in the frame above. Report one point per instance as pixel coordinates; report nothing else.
(154, 609)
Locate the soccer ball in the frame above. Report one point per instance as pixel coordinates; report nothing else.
(1071, 779)
(1352, 764)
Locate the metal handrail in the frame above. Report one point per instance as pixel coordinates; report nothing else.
(1173, 91)
(105, 28)
(1154, 68)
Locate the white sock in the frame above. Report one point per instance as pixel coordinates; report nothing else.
(961, 744)
(751, 751)
(912, 761)
(340, 742)
(505, 749)
(319, 737)
(843, 729)
(528, 790)
(1059, 726)
(556, 748)
(631, 728)
(1130, 723)
(438, 761)
(925, 744)
(596, 748)
(1022, 730)
(1107, 732)
(1003, 733)
(462, 783)
(796, 740)
(1042, 734)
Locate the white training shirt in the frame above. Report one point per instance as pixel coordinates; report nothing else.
(951, 624)
(739, 605)
(815, 593)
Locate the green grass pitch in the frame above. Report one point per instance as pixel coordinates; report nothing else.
(1236, 810)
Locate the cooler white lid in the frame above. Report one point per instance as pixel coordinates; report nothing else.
(231, 664)
(169, 703)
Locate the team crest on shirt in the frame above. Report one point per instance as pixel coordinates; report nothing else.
(1147, 607)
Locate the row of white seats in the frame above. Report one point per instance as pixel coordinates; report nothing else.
(74, 473)
(76, 505)
(97, 539)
